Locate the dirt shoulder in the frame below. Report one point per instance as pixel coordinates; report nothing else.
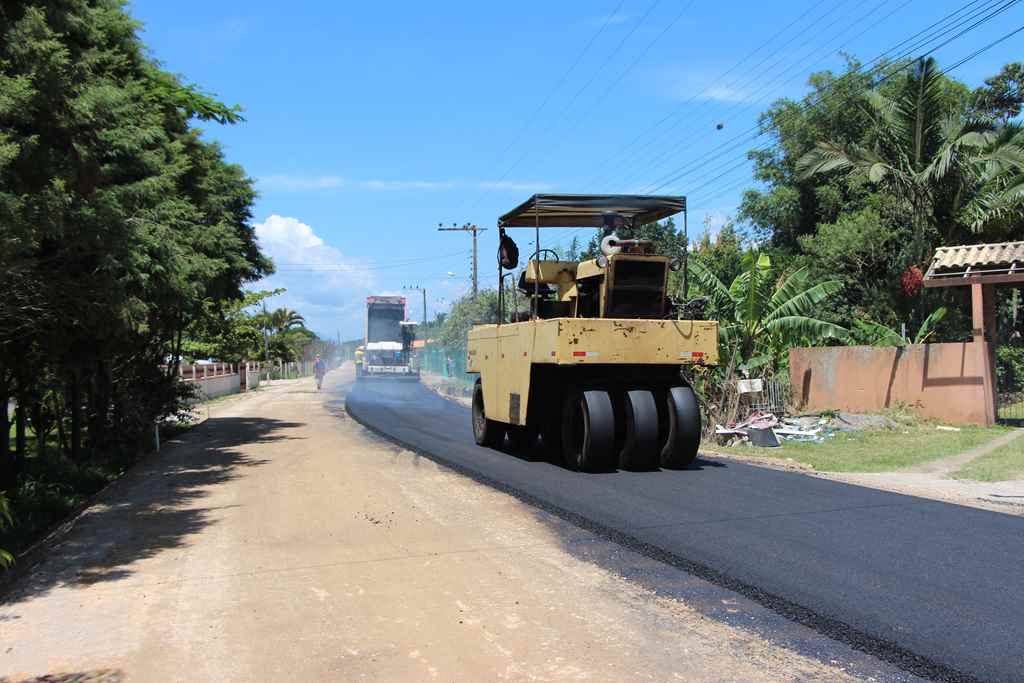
(282, 540)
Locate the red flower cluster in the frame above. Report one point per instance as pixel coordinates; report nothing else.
(911, 281)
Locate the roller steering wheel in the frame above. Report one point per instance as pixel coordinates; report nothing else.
(554, 254)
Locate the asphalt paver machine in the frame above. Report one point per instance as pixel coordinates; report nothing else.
(595, 366)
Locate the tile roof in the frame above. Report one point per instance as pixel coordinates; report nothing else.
(982, 259)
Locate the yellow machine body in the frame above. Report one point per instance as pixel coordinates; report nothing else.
(505, 354)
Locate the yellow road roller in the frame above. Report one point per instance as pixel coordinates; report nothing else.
(593, 367)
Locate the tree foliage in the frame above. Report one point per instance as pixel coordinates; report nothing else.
(123, 231)
(1002, 96)
(873, 171)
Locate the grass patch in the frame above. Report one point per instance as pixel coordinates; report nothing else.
(51, 487)
(48, 490)
(1002, 464)
(878, 450)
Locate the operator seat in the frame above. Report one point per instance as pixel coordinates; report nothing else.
(526, 288)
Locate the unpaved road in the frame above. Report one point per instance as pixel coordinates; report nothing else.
(282, 541)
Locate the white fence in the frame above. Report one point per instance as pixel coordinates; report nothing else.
(221, 379)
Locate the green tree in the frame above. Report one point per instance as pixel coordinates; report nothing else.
(859, 249)
(997, 206)
(921, 151)
(792, 205)
(1002, 96)
(723, 255)
(121, 225)
(466, 312)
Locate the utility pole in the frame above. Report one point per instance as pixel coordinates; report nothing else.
(466, 227)
(424, 291)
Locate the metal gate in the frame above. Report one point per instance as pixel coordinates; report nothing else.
(1010, 383)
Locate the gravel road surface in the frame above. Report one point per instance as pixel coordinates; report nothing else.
(280, 540)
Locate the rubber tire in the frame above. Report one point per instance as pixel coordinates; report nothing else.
(485, 432)
(521, 438)
(640, 451)
(588, 431)
(684, 426)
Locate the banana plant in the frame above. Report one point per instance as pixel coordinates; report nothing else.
(761, 314)
(878, 334)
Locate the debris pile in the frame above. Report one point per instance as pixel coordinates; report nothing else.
(768, 430)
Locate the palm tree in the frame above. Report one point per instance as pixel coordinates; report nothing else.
(926, 156)
(760, 315)
(998, 205)
(284, 319)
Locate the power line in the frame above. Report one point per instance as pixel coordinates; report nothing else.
(562, 234)
(944, 31)
(758, 131)
(716, 84)
(552, 91)
(471, 228)
(754, 132)
(770, 84)
(692, 98)
(878, 60)
(636, 61)
(586, 85)
(956, 65)
(384, 266)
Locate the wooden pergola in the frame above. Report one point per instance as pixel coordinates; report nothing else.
(983, 267)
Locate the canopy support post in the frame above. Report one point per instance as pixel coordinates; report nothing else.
(536, 271)
(686, 256)
(501, 288)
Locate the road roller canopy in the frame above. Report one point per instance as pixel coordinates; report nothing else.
(589, 210)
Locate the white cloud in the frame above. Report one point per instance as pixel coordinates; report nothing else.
(336, 182)
(313, 273)
(404, 184)
(721, 93)
(289, 182)
(279, 232)
(685, 83)
(515, 185)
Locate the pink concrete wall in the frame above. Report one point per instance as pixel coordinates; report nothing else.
(946, 382)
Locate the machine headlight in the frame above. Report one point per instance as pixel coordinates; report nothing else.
(675, 265)
(602, 261)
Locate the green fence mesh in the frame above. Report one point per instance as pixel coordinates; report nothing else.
(444, 362)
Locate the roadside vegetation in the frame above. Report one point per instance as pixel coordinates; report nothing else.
(908, 442)
(125, 249)
(1006, 462)
(870, 172)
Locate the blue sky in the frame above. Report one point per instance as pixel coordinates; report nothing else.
(370, 123)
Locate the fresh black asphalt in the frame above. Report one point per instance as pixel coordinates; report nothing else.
(937, 589)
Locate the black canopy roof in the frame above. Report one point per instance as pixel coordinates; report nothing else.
(585, 210)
